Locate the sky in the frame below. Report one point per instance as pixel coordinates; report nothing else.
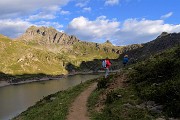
(122, 22)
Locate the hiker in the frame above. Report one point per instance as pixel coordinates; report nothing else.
(125, 60)
(108, 64)
(103, 64)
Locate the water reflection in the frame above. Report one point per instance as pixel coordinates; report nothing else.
(17, 98)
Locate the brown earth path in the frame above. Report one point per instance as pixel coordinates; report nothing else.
(78, 110)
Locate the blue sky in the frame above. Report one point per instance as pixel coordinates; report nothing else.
(123, 22)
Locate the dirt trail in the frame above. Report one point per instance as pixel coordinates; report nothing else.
(78, 110)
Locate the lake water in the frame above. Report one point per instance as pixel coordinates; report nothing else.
(15, 99)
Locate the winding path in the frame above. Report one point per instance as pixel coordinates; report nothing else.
(78, 110)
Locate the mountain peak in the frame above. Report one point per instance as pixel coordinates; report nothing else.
(108, 42)
(163, 34)
(47, 35)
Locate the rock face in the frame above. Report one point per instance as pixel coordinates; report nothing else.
(45, 35)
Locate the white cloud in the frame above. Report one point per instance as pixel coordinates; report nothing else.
(167, 15)
(45, 14)
(13, 8)
(99, 29)
(111, 2)
(63, 12)
(87, 9)
(13, 28)
(140, 31)
(82, 3)
(27, 13)
(132, 31)
(41, 16)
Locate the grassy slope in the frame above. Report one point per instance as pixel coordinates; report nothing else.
(156, 79)
(116, 108)
(20, 58)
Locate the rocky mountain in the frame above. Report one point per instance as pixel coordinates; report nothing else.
(44, 35)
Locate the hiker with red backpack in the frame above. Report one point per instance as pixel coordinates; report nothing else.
(106, 65)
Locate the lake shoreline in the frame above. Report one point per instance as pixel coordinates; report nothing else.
(4, 83)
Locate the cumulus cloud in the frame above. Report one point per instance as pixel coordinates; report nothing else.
(28, 12)
(140, 31)
(167, 15)
(99, 29)
(132, 31)
(10, 8)
(41, 16)
(111, 2)
(13, 28)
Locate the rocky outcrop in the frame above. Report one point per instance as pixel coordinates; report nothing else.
(45, 35)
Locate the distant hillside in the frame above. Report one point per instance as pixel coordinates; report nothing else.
(160, 44)
(17, 58)
(45, 50)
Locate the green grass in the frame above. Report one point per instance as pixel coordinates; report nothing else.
(158, 79)
(57, 109)
(117, 108)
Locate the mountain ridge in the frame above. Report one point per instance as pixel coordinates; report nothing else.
(45, 35)
(37, 50)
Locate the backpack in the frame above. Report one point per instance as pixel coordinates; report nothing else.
(103, 63)
(125, 60)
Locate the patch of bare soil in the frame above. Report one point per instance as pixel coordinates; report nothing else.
(120, 81)
(78, 110)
